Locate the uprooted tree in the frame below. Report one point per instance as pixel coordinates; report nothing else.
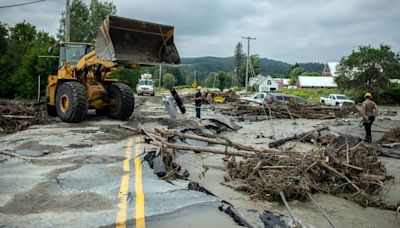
(369, 69)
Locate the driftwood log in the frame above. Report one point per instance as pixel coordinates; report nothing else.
(279, 142)
(164, 143)
(222, 141)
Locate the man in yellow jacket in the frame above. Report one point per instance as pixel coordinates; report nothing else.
(370, 110)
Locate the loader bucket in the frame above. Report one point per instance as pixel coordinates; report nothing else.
(130, 41)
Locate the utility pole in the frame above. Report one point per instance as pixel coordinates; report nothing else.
(248, 38)
(67, 22)
(159, 76)
(195, 76)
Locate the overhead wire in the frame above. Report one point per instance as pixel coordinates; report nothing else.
(21, 4)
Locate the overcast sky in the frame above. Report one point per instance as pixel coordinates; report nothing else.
(287, 30)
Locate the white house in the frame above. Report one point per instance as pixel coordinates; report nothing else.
(315, 82)
(264, 83)
(256, 80)
(330, 69)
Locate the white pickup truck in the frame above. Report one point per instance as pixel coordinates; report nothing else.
(337, 100)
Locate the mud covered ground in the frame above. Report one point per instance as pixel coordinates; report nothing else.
(56, 174)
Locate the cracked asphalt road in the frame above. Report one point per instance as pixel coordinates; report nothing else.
(70, 175)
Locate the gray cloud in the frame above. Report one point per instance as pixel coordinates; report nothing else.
(289, 30)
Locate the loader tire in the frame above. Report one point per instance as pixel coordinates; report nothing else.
(72, 102)
(122, 101)
(51, 110)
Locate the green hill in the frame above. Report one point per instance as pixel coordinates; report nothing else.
(205, 65)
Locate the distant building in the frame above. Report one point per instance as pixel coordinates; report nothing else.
(315, 82)
(282, 82)
(394, 81)
(330, 69)
(264, 83)
(256, 80)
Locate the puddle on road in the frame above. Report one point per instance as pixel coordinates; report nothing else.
(29, 152)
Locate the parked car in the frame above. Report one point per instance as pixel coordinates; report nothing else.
(256, 98)
(274, 97)
(337, 100)
(287, 97)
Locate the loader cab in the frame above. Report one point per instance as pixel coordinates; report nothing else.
(72, 52)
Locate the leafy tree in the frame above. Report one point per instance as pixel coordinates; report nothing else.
(255, 64)
(368, 68)
(178, 74)
(98, 12)
(210, 80)
(305, 73)
(79, 22)
(239, 60)
(19, 62)
(222, 80)
(6, 70)
(3, 38)
(294, 74)
(168, 80)
(22, 36)
(129, 76)
(24, 80)
(85, 19)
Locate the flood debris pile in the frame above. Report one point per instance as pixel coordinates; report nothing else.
(345, 167)
(391, 138)
(16, 115)
(289, 110)
(229, 96)
(208, 97)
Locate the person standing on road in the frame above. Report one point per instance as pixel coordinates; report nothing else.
(370, 110)
(197, 101)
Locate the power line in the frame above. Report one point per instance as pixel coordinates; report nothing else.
(22, 4)
(248, 38)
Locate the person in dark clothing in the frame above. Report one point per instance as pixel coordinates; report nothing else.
(370, 110)
(197, 101)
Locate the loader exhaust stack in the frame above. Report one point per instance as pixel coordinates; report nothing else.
(129, 41)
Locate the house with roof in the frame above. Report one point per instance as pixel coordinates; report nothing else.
(282, 82)
(264, 83)
(330, 69)
(315, 82)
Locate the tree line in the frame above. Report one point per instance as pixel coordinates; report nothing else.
(22, 45)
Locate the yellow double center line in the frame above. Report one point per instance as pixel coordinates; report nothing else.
(123, 192)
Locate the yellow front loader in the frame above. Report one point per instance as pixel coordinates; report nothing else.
(83, 78)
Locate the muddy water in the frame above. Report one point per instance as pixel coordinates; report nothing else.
(208, 171)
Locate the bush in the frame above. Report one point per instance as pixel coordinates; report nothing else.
(253, 88)
(388, 96)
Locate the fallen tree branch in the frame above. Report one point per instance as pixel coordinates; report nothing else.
(163, 143)
(17, 117)
(221, 141)
(277, 167)
(340, 175)
(279, 142)
(352, 166)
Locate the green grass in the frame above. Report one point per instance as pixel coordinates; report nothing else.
(313, 95)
